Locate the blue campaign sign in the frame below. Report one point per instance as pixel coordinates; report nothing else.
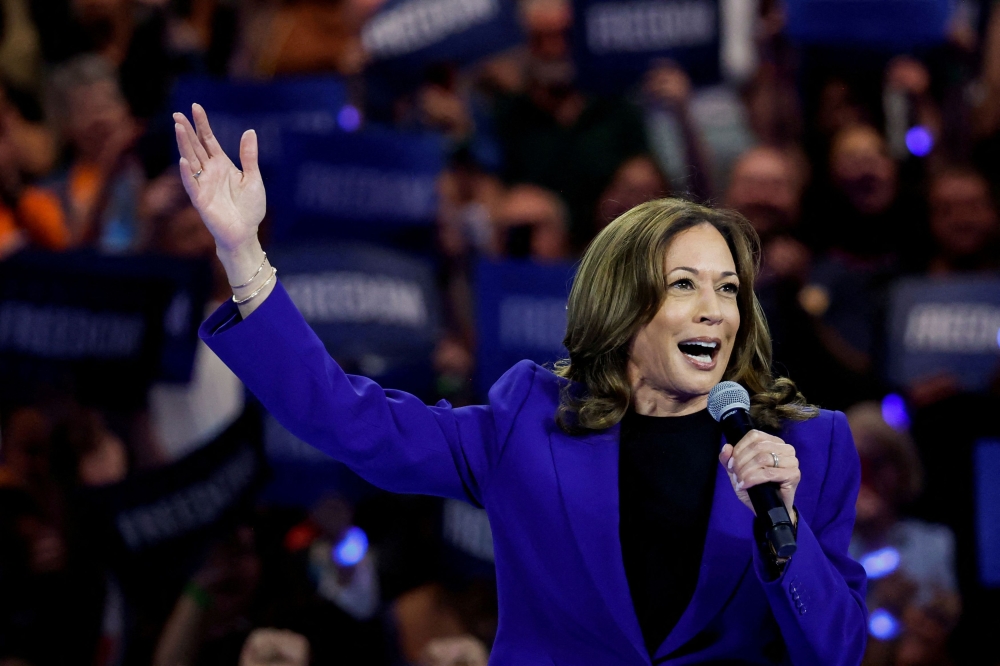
(375, 309)
(521, 313)
(871, 23)
(110, 324)
(616, 40)
(408, 35)
(986, 467)
(350, 185)
(308, 105)
(950, 326)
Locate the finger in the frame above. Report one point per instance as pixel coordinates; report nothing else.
(199, 150)
(726, 455)
(205, 131)
(185, 147)
(248, 154)
(761, 456)
(790, 477)
(188, 180)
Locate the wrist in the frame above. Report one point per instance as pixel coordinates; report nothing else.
(241, 261)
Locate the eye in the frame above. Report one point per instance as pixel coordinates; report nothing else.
(683, 283)
(730, 288)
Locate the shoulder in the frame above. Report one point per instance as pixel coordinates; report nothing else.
(525, 378)
(826, 435)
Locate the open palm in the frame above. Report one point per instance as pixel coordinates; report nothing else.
(231, 202)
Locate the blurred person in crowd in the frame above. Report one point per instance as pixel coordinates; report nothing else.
(910, 563)
(132, 35)
(965, 232)
(212, 618)
(674, 136)
(290, 37)
(29, 215)
(637, 181)
(468, 200)
(275, 647)
(51, 573)
(186, 416)
(555, 135)
(652, 290)
(964, 224)
(531, 223)
(458, 651)
(866, 228)
(20, 48)
(102, 183)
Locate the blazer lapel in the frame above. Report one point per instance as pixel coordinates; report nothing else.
(724, 562)
(587, 470)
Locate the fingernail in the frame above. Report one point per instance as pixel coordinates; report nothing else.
(739, 486)
(733, 477)
(730, 464)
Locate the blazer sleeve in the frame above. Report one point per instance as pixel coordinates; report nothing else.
(389, 438)
(819, 599)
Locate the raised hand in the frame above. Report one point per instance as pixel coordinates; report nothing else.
(231, 202)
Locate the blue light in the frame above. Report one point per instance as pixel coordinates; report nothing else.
(919, 140)
(881, 562)
(349, 118)
(351, 549)
(894, 411)
(998, 337)
(883, 625)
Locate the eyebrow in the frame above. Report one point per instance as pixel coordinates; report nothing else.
(695, 271)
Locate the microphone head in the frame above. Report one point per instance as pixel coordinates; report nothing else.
(725, 397)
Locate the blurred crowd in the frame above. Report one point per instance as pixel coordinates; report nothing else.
(814, 145)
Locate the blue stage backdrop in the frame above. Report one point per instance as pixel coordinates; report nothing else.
(616, 40)
(869, 23)
(109, 324)
(359, 185)
(406, 36)
(305, 105)
(378, 314)
(521, 311)
(945, 326)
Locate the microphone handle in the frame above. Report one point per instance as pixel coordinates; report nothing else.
(765, 498)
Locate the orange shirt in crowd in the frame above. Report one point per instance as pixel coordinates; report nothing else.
(38, 219)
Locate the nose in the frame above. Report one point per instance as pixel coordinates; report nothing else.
(709, 307)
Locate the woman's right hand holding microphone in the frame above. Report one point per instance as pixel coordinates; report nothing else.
(231, 204)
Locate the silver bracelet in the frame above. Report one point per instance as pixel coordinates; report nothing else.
(252, 277)
(274, 271)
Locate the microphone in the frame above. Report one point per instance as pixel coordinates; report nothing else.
(729, 404)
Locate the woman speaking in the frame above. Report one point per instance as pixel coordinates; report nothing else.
(622, 534)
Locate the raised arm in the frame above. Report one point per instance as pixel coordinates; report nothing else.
(390, 438)
(231, 203)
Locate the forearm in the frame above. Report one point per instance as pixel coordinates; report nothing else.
(182, 634)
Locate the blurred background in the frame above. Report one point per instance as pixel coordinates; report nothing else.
(433, 170)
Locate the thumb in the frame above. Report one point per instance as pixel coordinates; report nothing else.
(248, 153)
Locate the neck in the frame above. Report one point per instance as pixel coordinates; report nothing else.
(648, 400)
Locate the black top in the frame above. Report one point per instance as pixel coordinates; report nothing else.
(666, 476)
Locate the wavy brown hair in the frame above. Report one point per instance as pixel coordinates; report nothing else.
(619, 287)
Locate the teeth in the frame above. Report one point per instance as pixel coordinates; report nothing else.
(709, 345)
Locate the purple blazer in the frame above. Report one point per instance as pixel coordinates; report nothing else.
(552, 502)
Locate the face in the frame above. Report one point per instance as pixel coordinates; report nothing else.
(863, 170)
(963, 219)
(763, 188)
(683, 352)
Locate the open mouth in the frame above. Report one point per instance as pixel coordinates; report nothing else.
(700, 350)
